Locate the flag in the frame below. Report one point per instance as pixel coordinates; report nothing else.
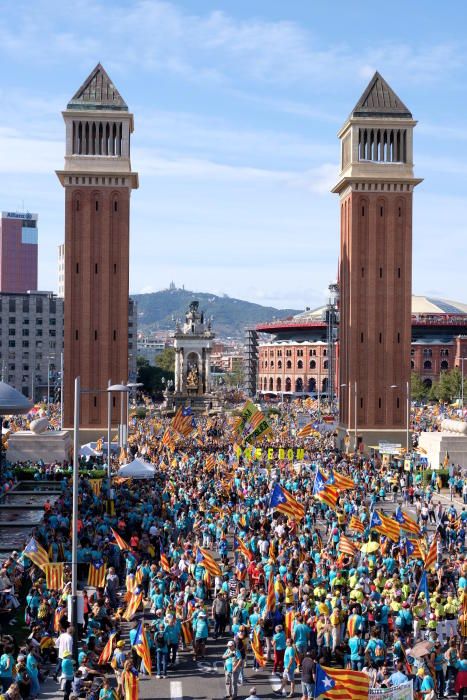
(306, 431)
(284, 502)
(346, 546)
(356, 524)
(36, 553)
(271, 597)
(308, 403)
(97, 574)
(240, 546)
(164, 560)
(107, 651)
(141, 647)
(183, 421)
(341, 683)
(342, 482)
(413, 549)
(187, 633)
(210, 463)
(385, 526)
(272, 551)
(133, 605)
(130, 685)
(247, 412)
(96, 485)
(423, 588)
(120, 541)
(206, 560)
(257, 649)
(288, 623)
(431, 557)
(168, 439)
(407, 523)
(328, 494)
(54, 576)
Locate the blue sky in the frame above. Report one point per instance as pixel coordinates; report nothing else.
(237, 104)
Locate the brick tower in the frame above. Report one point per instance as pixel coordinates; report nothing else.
(375, 187)
(98, 180)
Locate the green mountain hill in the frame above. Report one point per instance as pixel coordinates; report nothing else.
(157, 310)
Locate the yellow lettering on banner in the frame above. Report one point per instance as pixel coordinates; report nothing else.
(290, 454)
(258, 453)
(270, 453)
(300, 453)
(281, 453)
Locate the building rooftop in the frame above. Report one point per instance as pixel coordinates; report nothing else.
(98, 92)
(380, 100)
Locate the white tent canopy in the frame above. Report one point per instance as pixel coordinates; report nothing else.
(137, 469)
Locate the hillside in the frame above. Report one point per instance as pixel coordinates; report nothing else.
(156, 310)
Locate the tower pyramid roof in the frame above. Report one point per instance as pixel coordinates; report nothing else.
(380, 100)
(98, 92)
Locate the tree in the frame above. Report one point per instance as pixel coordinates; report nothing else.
(166, 360)
(151, 377)
(418, 389)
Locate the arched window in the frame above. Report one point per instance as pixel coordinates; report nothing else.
(289, 364)
(299, 385)
(324, 385)
(312, 364)
(412, 364)
(271, 384)
(278, 384)
(427, 364)
(444, 365)
(428, 383)
(272, 363)
(288, 384)
(300, 364)
(325, 364)
(312, 384)
(279, 364)
(265, 384)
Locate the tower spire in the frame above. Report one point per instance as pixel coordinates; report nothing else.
(98, 92)
(380, 100)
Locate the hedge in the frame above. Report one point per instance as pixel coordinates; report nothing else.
(28, 473)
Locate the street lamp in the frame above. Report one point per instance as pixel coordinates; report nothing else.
(118, 389)
(407, 425)
(462, 382)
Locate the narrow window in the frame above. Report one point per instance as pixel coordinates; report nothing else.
(115, 268)
(380, 272)
(381, 211)
(379, 403)
(95, 335)
(398, 337)
(95, 268)
(397, 403)
(399, 272)
(76, 335)
(380, 337)
(361, 403)
(77, 205)
(114, 401)
(95, 402)
(361, 337)
(115, 205)
(77, 268)
(363, 272)
(400, 211)
(97, 205)
(115, 335)
(363, 211)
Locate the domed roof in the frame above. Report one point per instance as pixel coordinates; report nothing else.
(11, 401)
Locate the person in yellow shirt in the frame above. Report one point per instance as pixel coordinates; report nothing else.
(357, 594)
(335, 620)
(451, 609)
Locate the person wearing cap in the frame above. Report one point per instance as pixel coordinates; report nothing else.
(232, 665)
(118, 662)
(201, 633)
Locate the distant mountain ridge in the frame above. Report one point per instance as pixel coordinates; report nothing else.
(156, 311)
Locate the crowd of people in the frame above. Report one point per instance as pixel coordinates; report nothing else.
(200, 562)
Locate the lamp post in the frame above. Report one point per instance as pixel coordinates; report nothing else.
(462, 383)
(355, 409)
(119, 389)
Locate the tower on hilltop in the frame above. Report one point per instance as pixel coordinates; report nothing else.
(375, 187)
(98, 180)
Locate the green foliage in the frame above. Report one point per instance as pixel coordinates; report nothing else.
(27, 473)
(443, 473)
(151, 377)
(449, 386)
(419, 391)
(166, 360)
(230, 315)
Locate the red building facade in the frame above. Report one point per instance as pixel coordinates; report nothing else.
(18, 252)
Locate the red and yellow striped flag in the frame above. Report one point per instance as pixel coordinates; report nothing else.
(54, 576)
(210, 463)
(36, 553)
(133, 605)
(187, 633)
(120, 541)
(257, 649)
(141, 646)
(241, 547)
(130, 685)
(431, 557)
(346, 546)
(329, 495)
(306, 431)
(107, 651)
(356, 524)
(343, 482)
(96, 575)
(271, 597)
(288, 623)
(342, 683)
(206, 560)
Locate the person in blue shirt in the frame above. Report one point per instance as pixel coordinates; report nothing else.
(161, 642)
(201, 633)
(279, 645)
(290, 665)
(357, 646)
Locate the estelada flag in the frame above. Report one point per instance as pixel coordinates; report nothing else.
(258, 649)
(107, 651)
(241, 547)
(341, 683)
(165, 564)
(36, 553)
(407, 523)
(288, 623)
(343, 482)
(97, 573)
(120, 541)
(284, 502)
(356, 524)
(133, 605)
(346, 546)
(385, 526)
(141, 646)
(54, 576)
(430, 560)
(187, 633)
(306, 431)
(130, 685)
(271, 597)
(206, 560)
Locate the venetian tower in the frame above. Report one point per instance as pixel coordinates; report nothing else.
(98, 180)
(375, 188)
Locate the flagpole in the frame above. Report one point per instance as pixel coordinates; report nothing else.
(74, 518)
